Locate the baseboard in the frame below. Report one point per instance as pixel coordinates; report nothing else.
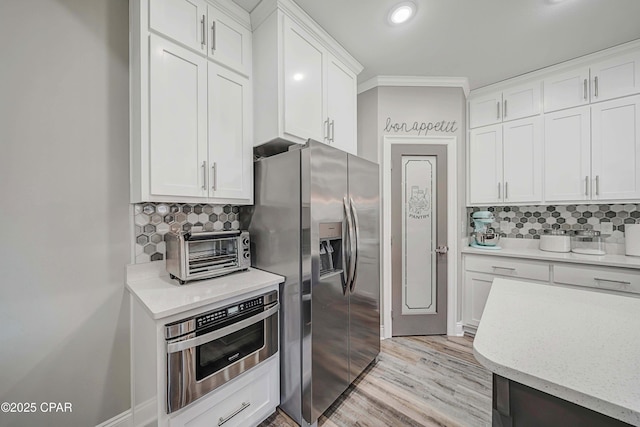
(124, 419)
(145, 414)
(459, 329)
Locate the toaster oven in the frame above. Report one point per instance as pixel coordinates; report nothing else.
(202, 255)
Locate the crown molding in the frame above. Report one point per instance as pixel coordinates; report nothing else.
(426, 81)
(237, 13)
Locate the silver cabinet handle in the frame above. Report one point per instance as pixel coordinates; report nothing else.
(242, 407)
(504, 110)
(498, 110)
(586, 186)
(585, 89)
(204, 175)
(499, 190)
(214, 176)
(332, 127)
(213, 36)
(326, 130)
(204, 33)
(595, 81)
(506, 190)
(619, 282)
(597, 185)
(496, 267)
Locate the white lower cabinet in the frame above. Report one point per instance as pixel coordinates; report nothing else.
(479, 271)
(246, 401)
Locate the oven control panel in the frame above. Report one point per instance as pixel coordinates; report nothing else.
(228, 312)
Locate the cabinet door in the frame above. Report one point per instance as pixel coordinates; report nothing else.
(230, 151)
(303, 83)
(181, 20)
(341, 107)
(615, 77)
(178, 120)
(485, 110)
(485, 165)
(521, 148)
(521, 101)
(229, 42)
(615, 133)
(567, 155)
(566, 90)
(476, 292)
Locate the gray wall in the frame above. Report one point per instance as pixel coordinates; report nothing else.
(64, 210)
(414, 104)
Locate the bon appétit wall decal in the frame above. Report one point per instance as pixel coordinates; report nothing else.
(422, 128)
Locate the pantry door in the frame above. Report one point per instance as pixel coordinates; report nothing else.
(419, 239)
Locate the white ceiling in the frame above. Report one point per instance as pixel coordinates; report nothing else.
(483, 40)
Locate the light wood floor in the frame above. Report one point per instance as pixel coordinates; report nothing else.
(417, 381)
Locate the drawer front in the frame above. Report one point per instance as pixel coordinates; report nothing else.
(248, 400)
(520, 269)
(613, 279)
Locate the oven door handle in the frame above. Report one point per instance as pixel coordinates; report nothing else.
(176, 346)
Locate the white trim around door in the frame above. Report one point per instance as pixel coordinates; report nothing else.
(453, 228)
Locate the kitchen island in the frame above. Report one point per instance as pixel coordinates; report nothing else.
(560, 356)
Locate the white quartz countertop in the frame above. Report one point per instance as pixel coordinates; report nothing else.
(163, 297)
(579, 345)
(530, 252)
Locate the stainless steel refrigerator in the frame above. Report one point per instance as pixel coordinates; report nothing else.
(316, 221)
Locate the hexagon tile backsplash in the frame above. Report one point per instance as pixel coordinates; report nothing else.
(153, 220)
(527, 222)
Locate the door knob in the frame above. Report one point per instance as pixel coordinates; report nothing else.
(442, 250)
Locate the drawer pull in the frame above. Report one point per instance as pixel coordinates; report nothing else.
(619, 282)
(495, 267)
(244, 406)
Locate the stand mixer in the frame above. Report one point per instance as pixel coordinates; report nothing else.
(484, 236)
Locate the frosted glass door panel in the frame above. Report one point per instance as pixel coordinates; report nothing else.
(419, 234)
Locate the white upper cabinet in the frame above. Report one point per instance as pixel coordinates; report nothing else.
(205, 29)
(341, 107)
(229, 43)
(230, 145)
(510, 104)
(504, 163)
(485, 165)
(567, 156)
(177, 120)
(184, 21)
(616, 77)
(593, 153)
(521, 153)
(611, 78)
(566, 90)
(305, 83)
(615, 147)
(191, 127)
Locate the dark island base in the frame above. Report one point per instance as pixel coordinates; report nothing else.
(516, 405)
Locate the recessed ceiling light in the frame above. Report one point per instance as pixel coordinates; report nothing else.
(402, 12)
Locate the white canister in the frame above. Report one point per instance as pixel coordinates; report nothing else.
(632, 239)
(553, 240)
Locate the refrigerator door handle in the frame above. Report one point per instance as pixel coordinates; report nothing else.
(355, 245)
(346, 248)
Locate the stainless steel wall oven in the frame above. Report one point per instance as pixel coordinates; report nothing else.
(208, 350)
